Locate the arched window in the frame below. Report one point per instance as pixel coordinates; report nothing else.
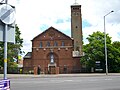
(41, 45)
(51, 58)
(48, 44)
(63, 43)
(55, 43)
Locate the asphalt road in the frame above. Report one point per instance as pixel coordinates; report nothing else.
(67, 83)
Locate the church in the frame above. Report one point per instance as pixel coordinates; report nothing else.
(54, 51)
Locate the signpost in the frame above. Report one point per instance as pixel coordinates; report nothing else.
(7, 19)
(7, 16)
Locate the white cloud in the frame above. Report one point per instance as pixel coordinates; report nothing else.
(32, 14)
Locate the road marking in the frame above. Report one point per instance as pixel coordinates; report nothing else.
(68, 80)
(108, 79)
(60, 81)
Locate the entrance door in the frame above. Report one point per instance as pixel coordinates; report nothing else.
(52, 70)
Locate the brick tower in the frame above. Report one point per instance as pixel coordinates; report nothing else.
(76, 29)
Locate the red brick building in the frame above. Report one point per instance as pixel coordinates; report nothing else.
(56, 52)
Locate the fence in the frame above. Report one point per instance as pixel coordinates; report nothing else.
(12, 70)
(45, 70)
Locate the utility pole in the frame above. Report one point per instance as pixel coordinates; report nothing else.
(5, 49)
(105, 43)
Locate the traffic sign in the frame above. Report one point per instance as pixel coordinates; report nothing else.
(11, 27)
(7, 14)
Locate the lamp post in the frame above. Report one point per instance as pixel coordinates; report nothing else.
(105, 43)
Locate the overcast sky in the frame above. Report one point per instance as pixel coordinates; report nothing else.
(35, 16)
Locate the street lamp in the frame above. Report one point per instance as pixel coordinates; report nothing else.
(105, 43)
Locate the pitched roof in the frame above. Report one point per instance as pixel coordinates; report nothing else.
(52, 29)
(28, 55)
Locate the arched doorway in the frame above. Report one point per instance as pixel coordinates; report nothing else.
(53, 62)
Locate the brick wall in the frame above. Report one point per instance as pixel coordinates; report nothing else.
(62, 53)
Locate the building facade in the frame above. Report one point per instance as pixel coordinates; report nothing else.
(56, 52)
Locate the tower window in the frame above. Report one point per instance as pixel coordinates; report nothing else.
(76, 27)
(75, 8)
(77, 13)
(40, 44)
(77, 48)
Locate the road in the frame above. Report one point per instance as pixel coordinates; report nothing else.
(67, 83)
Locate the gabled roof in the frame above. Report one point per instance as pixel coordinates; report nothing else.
(28, 55)
(51, 28)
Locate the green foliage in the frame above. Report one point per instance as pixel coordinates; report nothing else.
(116, 44)
(114, 57)
(13, 49)
(94, 51)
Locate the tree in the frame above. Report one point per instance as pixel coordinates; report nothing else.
(94, 51)
(13, 49)
(114, 62)
(116, 44)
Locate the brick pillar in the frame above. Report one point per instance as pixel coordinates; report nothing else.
(35, 70)
(57, 70)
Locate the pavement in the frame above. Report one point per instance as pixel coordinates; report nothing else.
(9, 76)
